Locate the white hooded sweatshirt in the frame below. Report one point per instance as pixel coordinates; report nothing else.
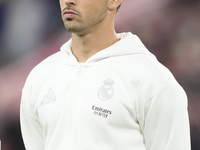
(121, 98)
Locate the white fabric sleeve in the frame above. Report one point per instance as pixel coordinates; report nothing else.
(166, 122)
(30, 126)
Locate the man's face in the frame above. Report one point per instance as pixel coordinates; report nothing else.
(81, 16)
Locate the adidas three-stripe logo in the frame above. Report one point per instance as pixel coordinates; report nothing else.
(48, 98)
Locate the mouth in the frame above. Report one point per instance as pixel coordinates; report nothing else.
(69, 14)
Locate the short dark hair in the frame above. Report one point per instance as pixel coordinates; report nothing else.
(118, 7)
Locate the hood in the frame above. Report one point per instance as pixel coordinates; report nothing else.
(128, 45)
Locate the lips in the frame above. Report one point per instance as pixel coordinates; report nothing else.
(69, 14)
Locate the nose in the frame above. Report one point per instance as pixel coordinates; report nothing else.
(70, 2)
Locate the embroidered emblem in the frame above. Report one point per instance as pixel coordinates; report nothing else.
(106, 91)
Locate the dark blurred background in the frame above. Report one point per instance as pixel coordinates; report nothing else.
(31, 30)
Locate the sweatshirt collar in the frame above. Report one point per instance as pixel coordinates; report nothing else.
(129, 44)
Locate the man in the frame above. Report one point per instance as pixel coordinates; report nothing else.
(102, 91)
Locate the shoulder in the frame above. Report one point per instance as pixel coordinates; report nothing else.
(53, 59)
(145, 69)
(45, 68)
(147, 75)
(149, 69)
(49, 62)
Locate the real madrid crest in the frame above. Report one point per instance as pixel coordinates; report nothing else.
(106, 91)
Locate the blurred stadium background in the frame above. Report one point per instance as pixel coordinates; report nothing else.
(31, 30)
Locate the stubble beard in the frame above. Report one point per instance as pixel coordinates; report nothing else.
(74, 27)
(86, 25)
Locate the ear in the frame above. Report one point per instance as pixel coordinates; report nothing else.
(113, 4)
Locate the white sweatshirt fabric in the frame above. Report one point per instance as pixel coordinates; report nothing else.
(121, 98)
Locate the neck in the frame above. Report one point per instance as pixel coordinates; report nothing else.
(85, 46)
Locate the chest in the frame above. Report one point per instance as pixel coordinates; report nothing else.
(80, 96)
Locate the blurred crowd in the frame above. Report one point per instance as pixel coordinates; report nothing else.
(32, 30)
(25, 24)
